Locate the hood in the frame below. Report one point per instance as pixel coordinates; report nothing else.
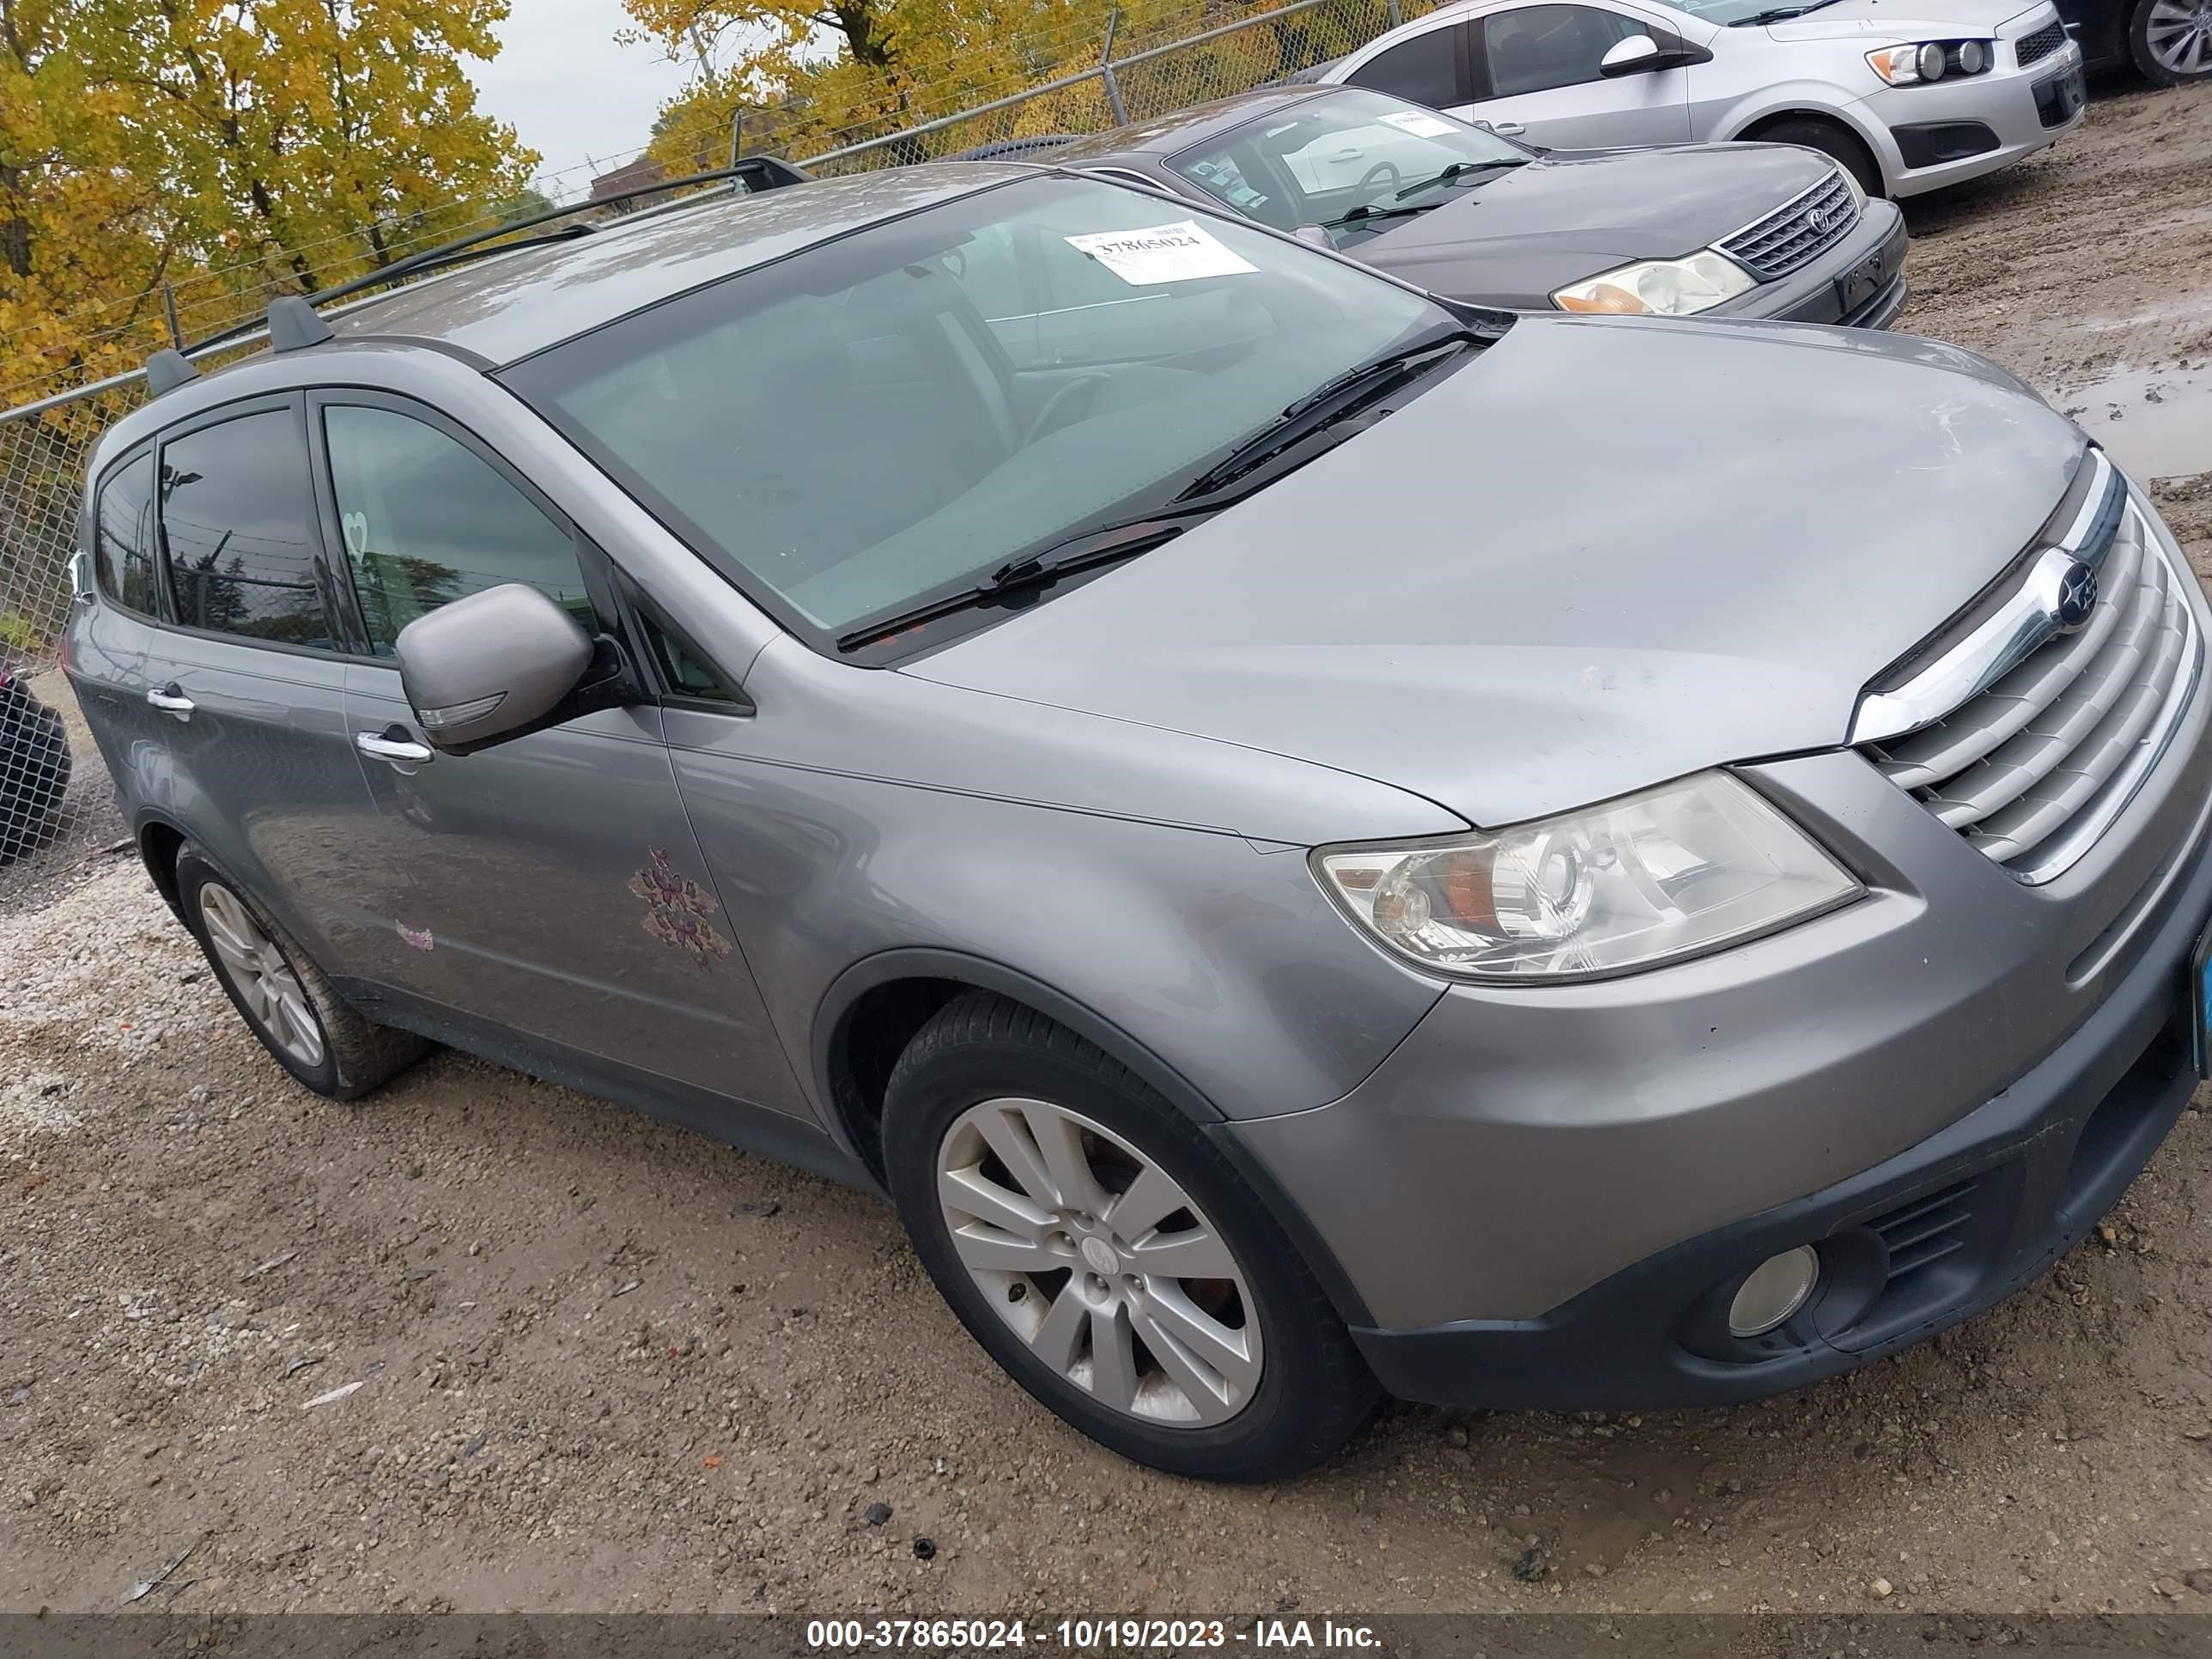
(1512, 239)
(1901, 20)
(1605, 553)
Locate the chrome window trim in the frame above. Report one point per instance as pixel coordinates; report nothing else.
(2027, 618)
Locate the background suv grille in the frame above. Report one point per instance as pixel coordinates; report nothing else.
(2042, 748)
(2034, 48)
(1801, 229)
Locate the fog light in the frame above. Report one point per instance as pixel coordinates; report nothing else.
(1777, 1287)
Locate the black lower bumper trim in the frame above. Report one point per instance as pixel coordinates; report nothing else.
(1930, 1237)
(1931, 143)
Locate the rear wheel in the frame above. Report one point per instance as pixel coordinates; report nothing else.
(285, 1002)
(1103, 1251)
(1838, 144)
(2171, 40)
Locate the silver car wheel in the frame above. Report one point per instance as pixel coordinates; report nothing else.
(1097, 1259)
(264, 982)
(2179, 34)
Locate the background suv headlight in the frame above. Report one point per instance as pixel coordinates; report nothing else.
(1670, 872)
(1662, 288)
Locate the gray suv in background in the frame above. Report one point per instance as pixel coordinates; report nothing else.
(1314, 840)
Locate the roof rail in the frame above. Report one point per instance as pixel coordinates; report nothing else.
(292, 322)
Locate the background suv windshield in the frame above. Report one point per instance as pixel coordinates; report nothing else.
(851, 429)
(1314, 163)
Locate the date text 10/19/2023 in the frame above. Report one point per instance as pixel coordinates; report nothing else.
(1085, 1635)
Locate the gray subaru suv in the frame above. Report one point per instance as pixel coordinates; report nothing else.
(1315, 841)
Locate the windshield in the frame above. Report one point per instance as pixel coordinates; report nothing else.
(852, 429)
(1322, 161)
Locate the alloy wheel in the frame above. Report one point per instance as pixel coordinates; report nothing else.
(264, 982)
(1099, 1260)
(2179, 35)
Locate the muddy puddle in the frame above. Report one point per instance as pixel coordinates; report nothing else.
(2157, 422)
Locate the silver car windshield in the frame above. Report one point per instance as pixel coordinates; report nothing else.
(853, 427)
(1326, 157)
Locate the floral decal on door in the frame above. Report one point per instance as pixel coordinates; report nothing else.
(676, 909)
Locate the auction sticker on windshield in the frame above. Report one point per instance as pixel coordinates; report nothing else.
(1160, 253)
(1420, 123)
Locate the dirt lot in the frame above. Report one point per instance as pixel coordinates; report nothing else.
(596, 1364)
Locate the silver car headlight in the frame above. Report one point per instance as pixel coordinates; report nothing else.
(1919, 61)
(1670, 872)
(1660, 288)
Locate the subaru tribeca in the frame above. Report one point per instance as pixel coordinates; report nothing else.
(1313, 840)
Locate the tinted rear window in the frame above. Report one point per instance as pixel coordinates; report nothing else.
(123, 544)
(236, 511)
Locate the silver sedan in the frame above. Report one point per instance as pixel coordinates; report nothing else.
(1909, 94)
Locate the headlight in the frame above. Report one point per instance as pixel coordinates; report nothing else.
(1662, 288)
(1925, 61)
(1674, 871)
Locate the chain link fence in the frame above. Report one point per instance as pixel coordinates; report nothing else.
(54, 795)
(1132, 82)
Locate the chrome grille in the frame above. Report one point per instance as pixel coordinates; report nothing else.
(1804, 228)
(2032, 768)
(2034, 48)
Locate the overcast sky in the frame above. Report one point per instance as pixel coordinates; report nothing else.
(571, 93)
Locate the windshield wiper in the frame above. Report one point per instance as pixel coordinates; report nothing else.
(1107, 544)
(1778, 14)
(1460, 170)
(1367, 211)
(1330, 404)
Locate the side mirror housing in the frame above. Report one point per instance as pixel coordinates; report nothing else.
(1637, 55)
(491, 666)
(1315, 236)
(1644, 54)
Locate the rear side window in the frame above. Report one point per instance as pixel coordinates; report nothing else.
(123, 544)
(1425, 69)
(427, 521)
(1539, 47)
(235, 512)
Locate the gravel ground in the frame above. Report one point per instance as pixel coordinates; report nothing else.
(481, 1343)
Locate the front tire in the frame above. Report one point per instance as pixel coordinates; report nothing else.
(2171, 41)
(1100, 1248)
(285, 1002)
(1837, 143)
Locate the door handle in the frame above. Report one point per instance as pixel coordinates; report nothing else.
(1507, 129)
(171, 700)
(393, 751)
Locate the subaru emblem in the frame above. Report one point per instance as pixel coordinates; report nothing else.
(2077, 596)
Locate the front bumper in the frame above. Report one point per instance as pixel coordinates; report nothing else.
(2022, 110)
(1858, 283)
(1921, 1241)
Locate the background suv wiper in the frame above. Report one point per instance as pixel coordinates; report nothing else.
(1331, 402)
(1107, 545)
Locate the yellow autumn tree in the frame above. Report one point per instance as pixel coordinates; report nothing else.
(234, 147)
(812, 76)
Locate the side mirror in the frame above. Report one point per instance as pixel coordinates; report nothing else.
(1637, 55)
(490, 666)
(1643, 54)
(1315, 236)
